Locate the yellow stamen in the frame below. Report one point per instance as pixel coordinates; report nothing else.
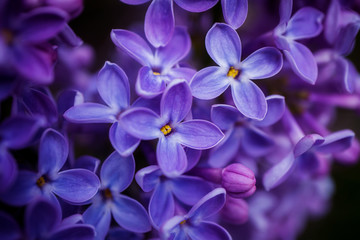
(166, 130)
(41, 181)
(233, 72)
(183, 222)
(156, 73)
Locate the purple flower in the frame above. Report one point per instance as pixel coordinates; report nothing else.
(116, 174)
(173, 133)
(235, 210)
(194, 224)
(185, 189)
(224, 47)
(305, 23)
(113, 87)
(73, 185)
(158, 67)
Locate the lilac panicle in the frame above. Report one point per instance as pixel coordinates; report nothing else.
(224, 47)
(173, 133)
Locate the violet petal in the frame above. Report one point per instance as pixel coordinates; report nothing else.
(235, 12)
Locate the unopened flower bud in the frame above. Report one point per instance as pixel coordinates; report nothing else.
(235, 211)
(238, 180)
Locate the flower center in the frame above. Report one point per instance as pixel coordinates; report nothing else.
(156, 73)
(233, 72)
(7, 35)
(41, 181)
(166, 130)
(106, 193)
(183, 222)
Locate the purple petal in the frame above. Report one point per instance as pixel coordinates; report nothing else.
(346, 38)
(263, 63)
(171, 156)
(209, 83)
(148, 84)
(331, 29)
(198, 134)
(130, 214)
(351, 75)
(305, 23)
(117, 172)
(8, 170)
(23, 191)
(133, 45)
(142, 123)
(249, 99)
(162, 205)
(276, 109)
(78, 232)
(189, 189)
(279, 172)
(9, 229)
(134, 2)
(176, 101)
(178, 47)
(87, 162)
(148, 177)
(98, 215)
(68, 99)
(306, 143)
(223, 45)
(209, 205)
(193, 157)
(172, 230)
(123, 142)
(224, 116)
(90, 113)
(41, 218)
(159, 22)
(256, 143)
(196, 6)
(113, 86)
(285, 10)
(41, 24)
(150, 103)
(181, 73)
(53, 152)
(337, 142)
(76, 185)
(302, 62)
(235, 12)
(208, 230)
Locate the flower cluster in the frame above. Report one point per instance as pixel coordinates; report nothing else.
(162, 143)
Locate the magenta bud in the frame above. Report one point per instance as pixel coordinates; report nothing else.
(238, 180)
(235, 211)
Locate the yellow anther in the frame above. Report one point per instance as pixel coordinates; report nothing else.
(183, 222)
(166, 129)
(41, 181)
(156, 73)
(233, 72)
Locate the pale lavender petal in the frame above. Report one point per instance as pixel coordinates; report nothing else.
(346, 38)
(142, 123)
(208, 230)
(351, 76)
(171, 156)
(209, 205)
(76, 185)
(196, 6)
(162, 205)
(148, 177)
(148, 84)
(8, 170)
(172, 230)
(276, 109)
(263, 63)
(235, 12)
(209, 83)
(223, 45)
(159, 22)
(256, 143)
(176, 101)
(189, 189)
(53, 152)
(182, 73)
(279, 172)
(224, 116)
(98, 215)
(113, 86)
(78, 232)
(302, 62)
(175, 50)
(117, 172)
(285, 10)
(306, 143)
(90, 113)
(134, 45)
(123, 142)
(198, 134)
(337, 142)
(305, 23)
(134, 2)
(249, 99)
(130, 214)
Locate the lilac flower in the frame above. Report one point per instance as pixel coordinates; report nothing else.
(73, 185)
(224, 47)
(194, 225)
(116, 174)
(158, 67)
(185, 189)
(113, 87)
(305, 23)
(235, 210)
(172, 133)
